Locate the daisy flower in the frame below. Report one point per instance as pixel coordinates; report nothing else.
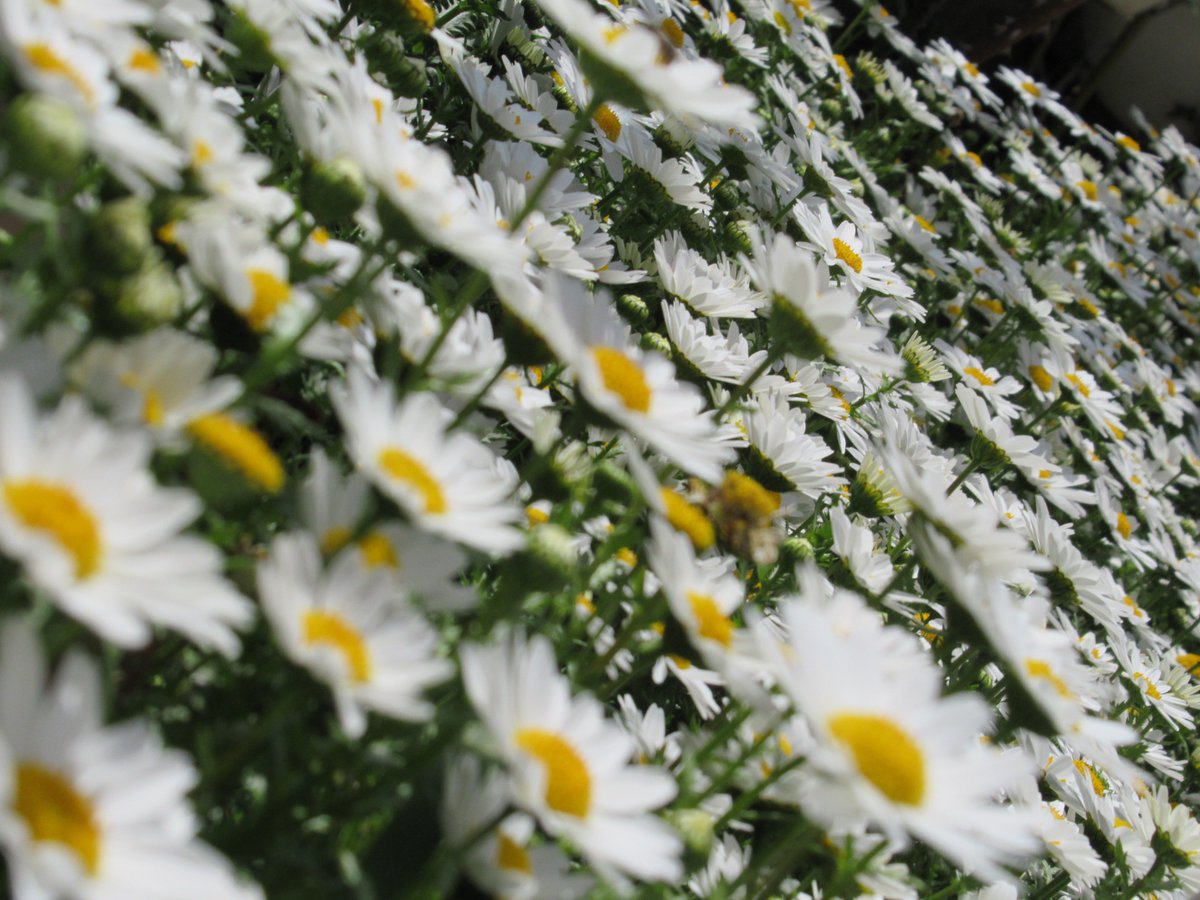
(635, 389)
(449, 484)
(88, 810)
(708, 289)
(352, 630)
(813, 317)
(888, 747)
(81, 511)
(841, 247)
(568, 764)
(628, 63)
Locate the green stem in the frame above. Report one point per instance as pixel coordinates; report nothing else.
(744, 388)
(962, 476)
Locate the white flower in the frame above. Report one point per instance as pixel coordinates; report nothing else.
(352, 629)
(449, 484)
(88, 810)
(81, 511)
(568, 764)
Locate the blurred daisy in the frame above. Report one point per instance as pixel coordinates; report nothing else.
(348, 627)
(637, 390)
(449, 484)
(91, 811)
(81, 511)
(568, 764)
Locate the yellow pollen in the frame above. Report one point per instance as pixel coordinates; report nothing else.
(627, 556)
(241, 446)
(613, 33)
(1038, 668)
(168, 233)
(1191, 662)
(1116, 430)
(847, 255)
(1079, 384)
(54, 811)
(405, 180)
(152, 408)
(1098, 786)
(979, 375)
(202, 153)
(1124, 528)
(843, 65)
(623, 377)
(536, 516)
(1032, 89)
(377, 551)
(688, 519)
(711, 623)
(783, 23)
(335, 539)
(972, 69)
(421, 13)
(351, 318)
(608, 122)
(1121, 823)
(143, 59)
(884, 753)
(54, 509)
(926, 224)
(1044, 473)
(43, 58)
(1089, 189)
(746, 497)
(413, 474)
(1129, 143)
(991, 304)
(673, 32)
(511, 856)
(679, 661)
(269, 293)
(585, 602)
(568, 782)
(324, 627)
(320, 235)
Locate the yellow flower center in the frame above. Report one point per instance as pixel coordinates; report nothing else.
(568, 782)
(623, 377)
(926, 224)
(608, 121)
(1124, 526)
(324, 627)
(783, 23)
(979, 375)
(421, 13)
(688, 519)
(1078, 383)
(143, 59)
(334, 540)
(43, 58)
(1191, 662)
(511, 856)
(269, 293)
(745, 496)
(1038, 668)
(1041, 377)
(54, 509)
(54, 811)
(1089, 189)
(1129, 143)
(711, 623)
(1032, 89)
(377, 551)
(202, 153)
(673, 32)
(241, 446)
(843, 65)
(884, 753)
(846, 254)
(410, 472)
(1098, 787)
(971, 69)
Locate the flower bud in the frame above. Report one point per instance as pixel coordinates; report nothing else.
(633, 309)
(151, 296)
(119, 236)
(333, 190)
(46, 137)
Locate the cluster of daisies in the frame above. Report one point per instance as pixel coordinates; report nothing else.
(537, 448)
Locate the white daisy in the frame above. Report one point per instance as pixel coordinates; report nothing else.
(81, 511)
(568, 764)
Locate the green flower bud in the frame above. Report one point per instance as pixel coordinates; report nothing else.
(407, 16)
(726, 193)
(695, 826)
(735, 233)
(655, 342)
(46, 137)
(633, 309)
(552, 554)
(405, 75)
(119, 236)
(333, 190)
(151, 296)
(795, 549)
